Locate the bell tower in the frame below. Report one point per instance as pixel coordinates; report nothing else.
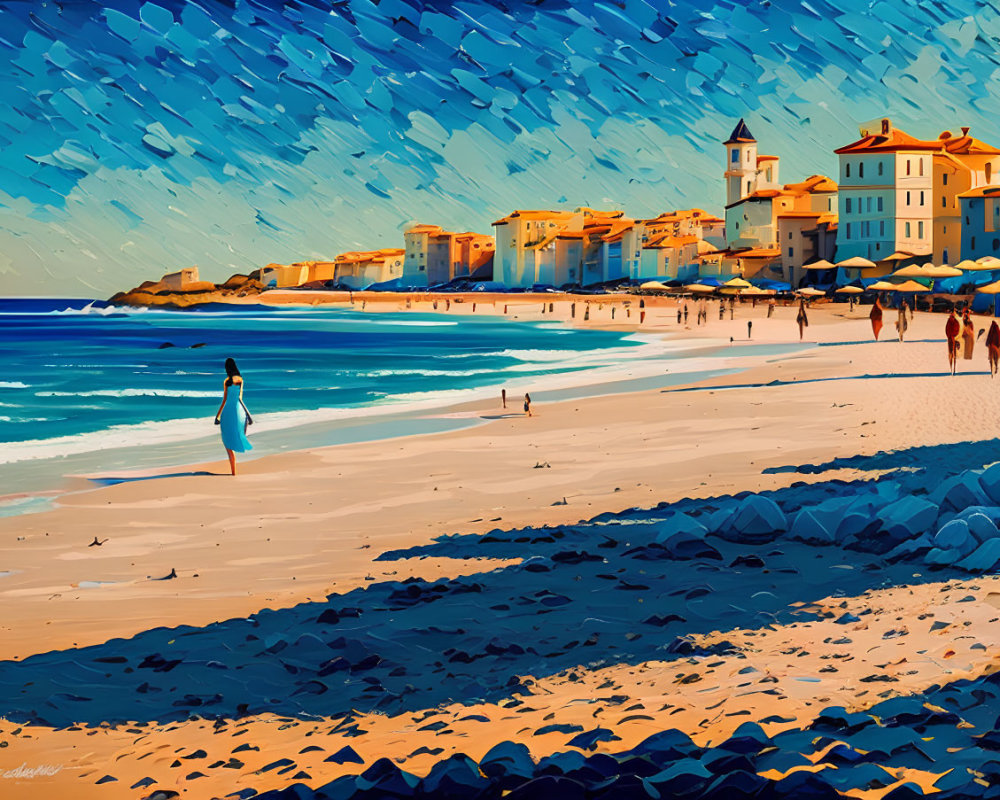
(741, 164)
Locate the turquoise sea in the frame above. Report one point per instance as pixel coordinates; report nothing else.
(90, 389)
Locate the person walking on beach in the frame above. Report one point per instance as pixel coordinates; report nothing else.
(801, 318)
(876, 317)
(993, 347)
(951, 330)
(503, 397)
(749, 328)
(901, 320)
(968, 334)
(527, 404)
(770, 308)
(685, 313)
(232, 416)
(678, 315)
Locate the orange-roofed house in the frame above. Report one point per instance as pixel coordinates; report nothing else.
(550, 247)
(980, 210)
(666, 246)
(456, 255)
(900, 193)
(416, 242)
(966, 164)
(359, 269)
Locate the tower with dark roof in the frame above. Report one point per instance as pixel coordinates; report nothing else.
(741, 164)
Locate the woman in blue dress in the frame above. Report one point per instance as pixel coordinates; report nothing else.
(232, 415)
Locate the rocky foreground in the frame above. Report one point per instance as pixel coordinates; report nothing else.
(238, 288)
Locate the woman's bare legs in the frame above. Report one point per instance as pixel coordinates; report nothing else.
(232, 460)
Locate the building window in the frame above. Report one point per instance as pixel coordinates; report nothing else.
(879, 167)
(996, 245)
(920, 165)
(868, 205)
(907, 198)
(829, 204)
(791, 252)
(907, 230)
(920, 227)
(973, 242)
(881, 227)
(789, 236)
(944, 179)
(735, 157)
(944, 202)
(989, 172)
(878, 203)
(907, 166)
(848, 208)
(848, 230)
(861, 169)
(921, 194)
(847, 170)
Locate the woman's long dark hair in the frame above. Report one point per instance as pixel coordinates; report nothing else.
(232, 371)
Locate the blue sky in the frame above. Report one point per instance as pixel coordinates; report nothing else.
(137, 138)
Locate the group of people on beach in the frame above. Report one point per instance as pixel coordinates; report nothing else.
(959, 331)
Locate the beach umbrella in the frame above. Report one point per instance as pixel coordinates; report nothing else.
(857, 263)
(883, 286)
(912, 271)
(850, 290)
(989, 262)
(990, 288)
(699, 287)
(908, 286)
(738, 283)
(821, 264)
(756, 290)
(652, 285)
(809, 291)
(943, 271)
(976, 266)
(897, 256)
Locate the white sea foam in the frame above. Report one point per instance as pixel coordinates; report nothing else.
(152, 392)
(13, 385)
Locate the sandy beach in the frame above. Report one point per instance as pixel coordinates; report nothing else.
(346, 527)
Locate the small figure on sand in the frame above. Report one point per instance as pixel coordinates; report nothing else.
(770, 308)
(876, 317)
(901, 320)
(232, 416)
(527, 404)
(749, 328)
(952, 328)
(503, 397)
(678, 315)
(968, 334)
(732, 307)
(801, 318)
(993, 347)
(722, 310)
(685, 313)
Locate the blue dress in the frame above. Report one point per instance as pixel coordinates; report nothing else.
(232, 422)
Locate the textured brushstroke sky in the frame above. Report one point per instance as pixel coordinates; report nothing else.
(136, 138)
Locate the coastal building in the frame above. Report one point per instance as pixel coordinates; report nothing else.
(434, 255)
(281, 276)
(770, 228)
(551, 247)
(359, 269)
(901, 194)
(980, 212)
(664, 247)
(180, 280)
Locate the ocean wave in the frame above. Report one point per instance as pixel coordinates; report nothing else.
(132, 393)
(13, 385)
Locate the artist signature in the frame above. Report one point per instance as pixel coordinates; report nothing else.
(24, 771)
